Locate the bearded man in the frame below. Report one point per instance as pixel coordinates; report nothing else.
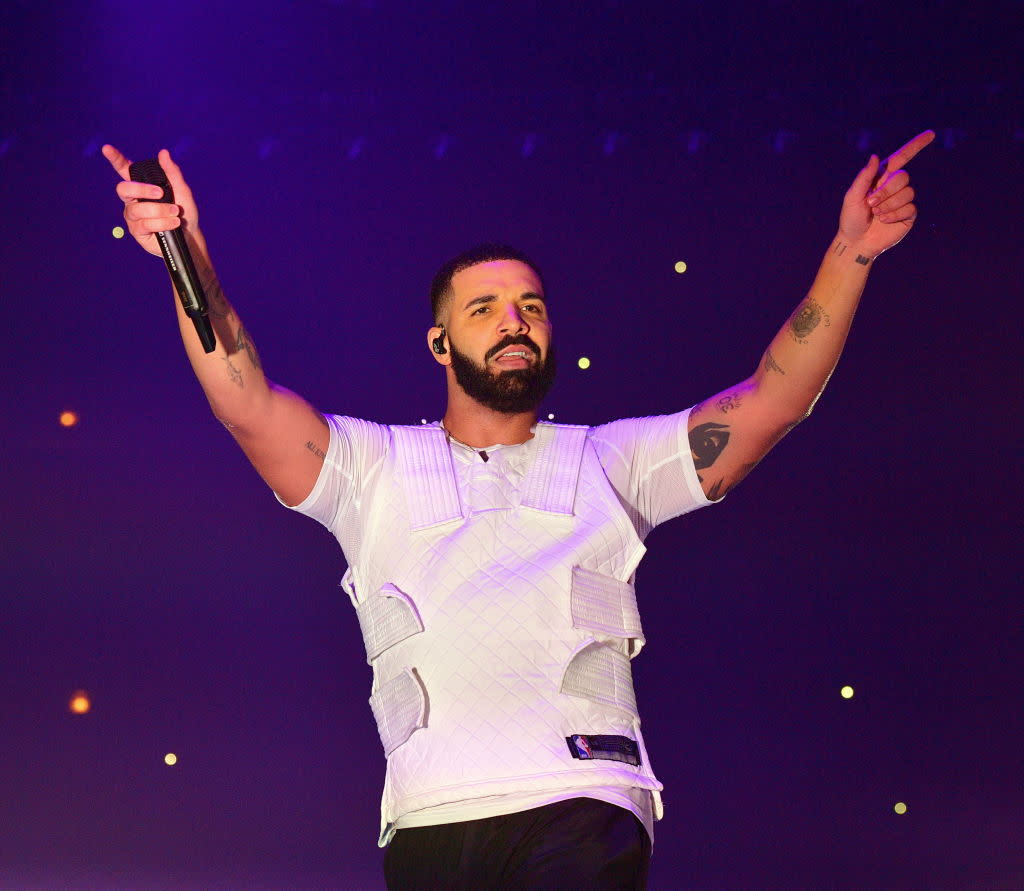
(492, 556)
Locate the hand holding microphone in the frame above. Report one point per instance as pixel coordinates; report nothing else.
(145, 188)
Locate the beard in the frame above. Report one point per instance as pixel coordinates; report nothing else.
(509, 392)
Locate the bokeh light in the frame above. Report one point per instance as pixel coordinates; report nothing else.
(170, 759)
(583, 363)
(680, 267)
(68, 419)
(79, 704)
(117, 232)
(900, 807)
(847, 692)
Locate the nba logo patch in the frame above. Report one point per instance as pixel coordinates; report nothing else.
(582, 746)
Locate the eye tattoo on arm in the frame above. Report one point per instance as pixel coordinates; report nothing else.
(706, 444)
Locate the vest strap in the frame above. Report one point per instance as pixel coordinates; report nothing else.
(425, 463)
(550, 484)
(602, 603)
(601, 674)
(387, 617)
(400, 709)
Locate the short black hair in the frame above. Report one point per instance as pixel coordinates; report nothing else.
(441, 287)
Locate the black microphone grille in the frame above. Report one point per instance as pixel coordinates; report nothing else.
(150, 171)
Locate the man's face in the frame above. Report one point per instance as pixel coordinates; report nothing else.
(499, 336)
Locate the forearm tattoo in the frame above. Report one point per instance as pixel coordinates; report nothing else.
(839, 249)
(243, 342)
(770, 364)
(216, 302)
(234, 373)
(806, 318)
(318, 452)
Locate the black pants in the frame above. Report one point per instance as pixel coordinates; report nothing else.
(578, 843)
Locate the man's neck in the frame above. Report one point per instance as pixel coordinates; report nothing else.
(478, 426)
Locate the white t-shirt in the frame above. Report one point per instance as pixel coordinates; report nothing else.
(646, 460)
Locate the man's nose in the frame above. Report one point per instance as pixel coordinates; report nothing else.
(513, 321)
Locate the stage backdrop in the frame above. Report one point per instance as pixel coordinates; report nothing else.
(340, 151)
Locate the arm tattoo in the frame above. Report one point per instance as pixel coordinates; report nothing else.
(807, 317)
(706, 444)
(840, 248)
(217, 302)
(243, 342)
(729, 402)
(769, 362)
(318, 452)
(863, 260)
(234, 373)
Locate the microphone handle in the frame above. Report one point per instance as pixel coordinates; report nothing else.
(187, 284)
(177, 256)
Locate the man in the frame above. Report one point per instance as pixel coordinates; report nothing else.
(491, 557)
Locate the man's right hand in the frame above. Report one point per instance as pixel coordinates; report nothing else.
(145, 218)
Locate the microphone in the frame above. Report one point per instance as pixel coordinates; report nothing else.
(177, 256)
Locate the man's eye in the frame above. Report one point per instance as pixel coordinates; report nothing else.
(479, 310)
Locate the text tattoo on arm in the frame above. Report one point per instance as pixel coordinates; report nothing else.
(770, 364)
(318, 452)
(730, 401)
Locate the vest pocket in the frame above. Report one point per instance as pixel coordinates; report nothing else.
(385, 618)
(400, 708)
(601, 674)
(603, 604)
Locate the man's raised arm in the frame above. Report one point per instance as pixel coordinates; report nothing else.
(732, 431)
(283, 436)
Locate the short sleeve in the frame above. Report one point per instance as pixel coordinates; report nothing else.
(649, 464)
(355, 448)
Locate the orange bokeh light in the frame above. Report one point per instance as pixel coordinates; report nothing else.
(79, 703)
(68, 419)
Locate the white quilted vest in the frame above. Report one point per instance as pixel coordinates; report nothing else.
(495, 636)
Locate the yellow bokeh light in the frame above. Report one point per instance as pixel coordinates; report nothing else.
(847, 692)
(171, 759)
(551, 415)
(584, 363)
(680, 267)
(117, 232)
(900, 807)
(79, 703)
(68, 419)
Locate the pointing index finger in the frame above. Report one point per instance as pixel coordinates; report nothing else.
(902, 155)
(118, 161)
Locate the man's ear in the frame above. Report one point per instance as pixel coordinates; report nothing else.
(437, 341)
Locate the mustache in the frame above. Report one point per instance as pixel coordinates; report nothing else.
(512, 340)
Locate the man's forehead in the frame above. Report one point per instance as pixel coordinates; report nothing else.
(497, 275)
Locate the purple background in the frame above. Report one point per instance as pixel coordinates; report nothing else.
(340, 151)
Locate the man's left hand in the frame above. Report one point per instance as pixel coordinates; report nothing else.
(879, 207)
